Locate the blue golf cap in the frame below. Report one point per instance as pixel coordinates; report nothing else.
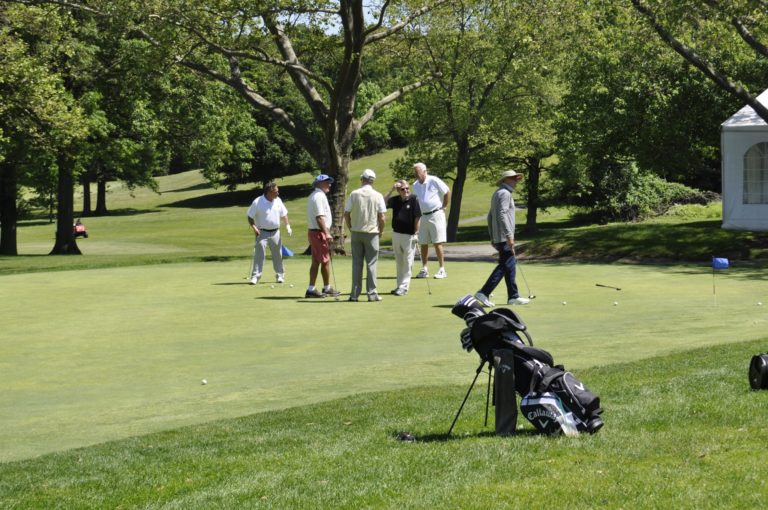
(323, 178)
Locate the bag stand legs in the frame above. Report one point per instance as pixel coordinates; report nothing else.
(477, 374)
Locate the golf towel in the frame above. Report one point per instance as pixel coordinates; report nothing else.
(286, 252)
(719, 263)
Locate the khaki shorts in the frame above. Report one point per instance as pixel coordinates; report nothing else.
(432, 228)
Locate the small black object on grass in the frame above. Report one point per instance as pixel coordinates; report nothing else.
(406, 436)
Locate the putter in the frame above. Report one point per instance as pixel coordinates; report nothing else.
(520, 268)
(429, 289)
(607, 286)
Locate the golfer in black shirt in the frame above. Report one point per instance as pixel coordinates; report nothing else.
(406, 216)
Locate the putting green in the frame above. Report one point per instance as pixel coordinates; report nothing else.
(90, 356)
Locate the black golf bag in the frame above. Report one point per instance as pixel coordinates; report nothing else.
(554, 401)
(580, 407)
(758, 372)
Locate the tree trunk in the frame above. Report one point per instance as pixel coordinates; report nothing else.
(8, 212)
(457, 190)
(532, 190)
(336, 199)
(65, 236)
(86, 197)
(101, 197)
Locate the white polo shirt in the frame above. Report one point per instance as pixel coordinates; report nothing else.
(318, 206)
(430, 193)
(267, 214)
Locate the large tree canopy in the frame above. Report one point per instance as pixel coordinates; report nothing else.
(40, 120)
(317, 49)
(491, 103)
(725, 40)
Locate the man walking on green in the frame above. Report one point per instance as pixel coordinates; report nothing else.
(501, 227)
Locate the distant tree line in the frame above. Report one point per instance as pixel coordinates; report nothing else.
(610, 107)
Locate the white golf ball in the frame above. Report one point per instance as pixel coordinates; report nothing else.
(204, 381)
(759, 303)
(565, 303)
(291, 285)
(271, 286)
(615, 303)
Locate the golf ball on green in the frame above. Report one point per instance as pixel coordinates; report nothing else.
(204, 381)
(565, 303)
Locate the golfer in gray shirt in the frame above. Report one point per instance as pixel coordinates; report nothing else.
(501, 227)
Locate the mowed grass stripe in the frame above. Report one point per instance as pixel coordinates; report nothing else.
(91, 356)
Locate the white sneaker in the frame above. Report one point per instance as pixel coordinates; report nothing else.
(484, 300)
(280, 278)
(441, 273)
(424, 273)
(519, 301)
(255, 280)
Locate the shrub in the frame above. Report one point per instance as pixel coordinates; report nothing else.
(625, 193)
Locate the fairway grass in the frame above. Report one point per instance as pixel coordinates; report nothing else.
(97, 355)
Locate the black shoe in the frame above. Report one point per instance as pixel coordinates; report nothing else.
(352, 299)
(330, 291)
(314, 294)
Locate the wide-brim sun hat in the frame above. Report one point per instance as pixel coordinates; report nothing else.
(509, 173)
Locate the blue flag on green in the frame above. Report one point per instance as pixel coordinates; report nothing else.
(720, 263)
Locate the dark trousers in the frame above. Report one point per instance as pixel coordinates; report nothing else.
(505, 269)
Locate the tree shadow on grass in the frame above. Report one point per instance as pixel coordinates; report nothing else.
(128, 211)
(194, 187)
(238, 198)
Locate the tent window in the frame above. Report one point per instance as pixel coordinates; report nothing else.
(756, 174)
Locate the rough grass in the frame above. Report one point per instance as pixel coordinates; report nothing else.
(682, 431)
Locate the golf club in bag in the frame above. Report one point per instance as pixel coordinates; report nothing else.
(554, 400)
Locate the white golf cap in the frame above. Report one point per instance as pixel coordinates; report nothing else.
(509, 173)
(368, 174)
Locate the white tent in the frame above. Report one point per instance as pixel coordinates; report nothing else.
(744, 145)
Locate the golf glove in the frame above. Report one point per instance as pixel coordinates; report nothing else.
(289, 230)
(466, 339)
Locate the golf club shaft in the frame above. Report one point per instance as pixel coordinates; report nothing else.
(333, 269)
(520, 268)
(607, 286)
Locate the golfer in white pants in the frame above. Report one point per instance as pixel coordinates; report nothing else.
(406, 218)
(264, 217)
